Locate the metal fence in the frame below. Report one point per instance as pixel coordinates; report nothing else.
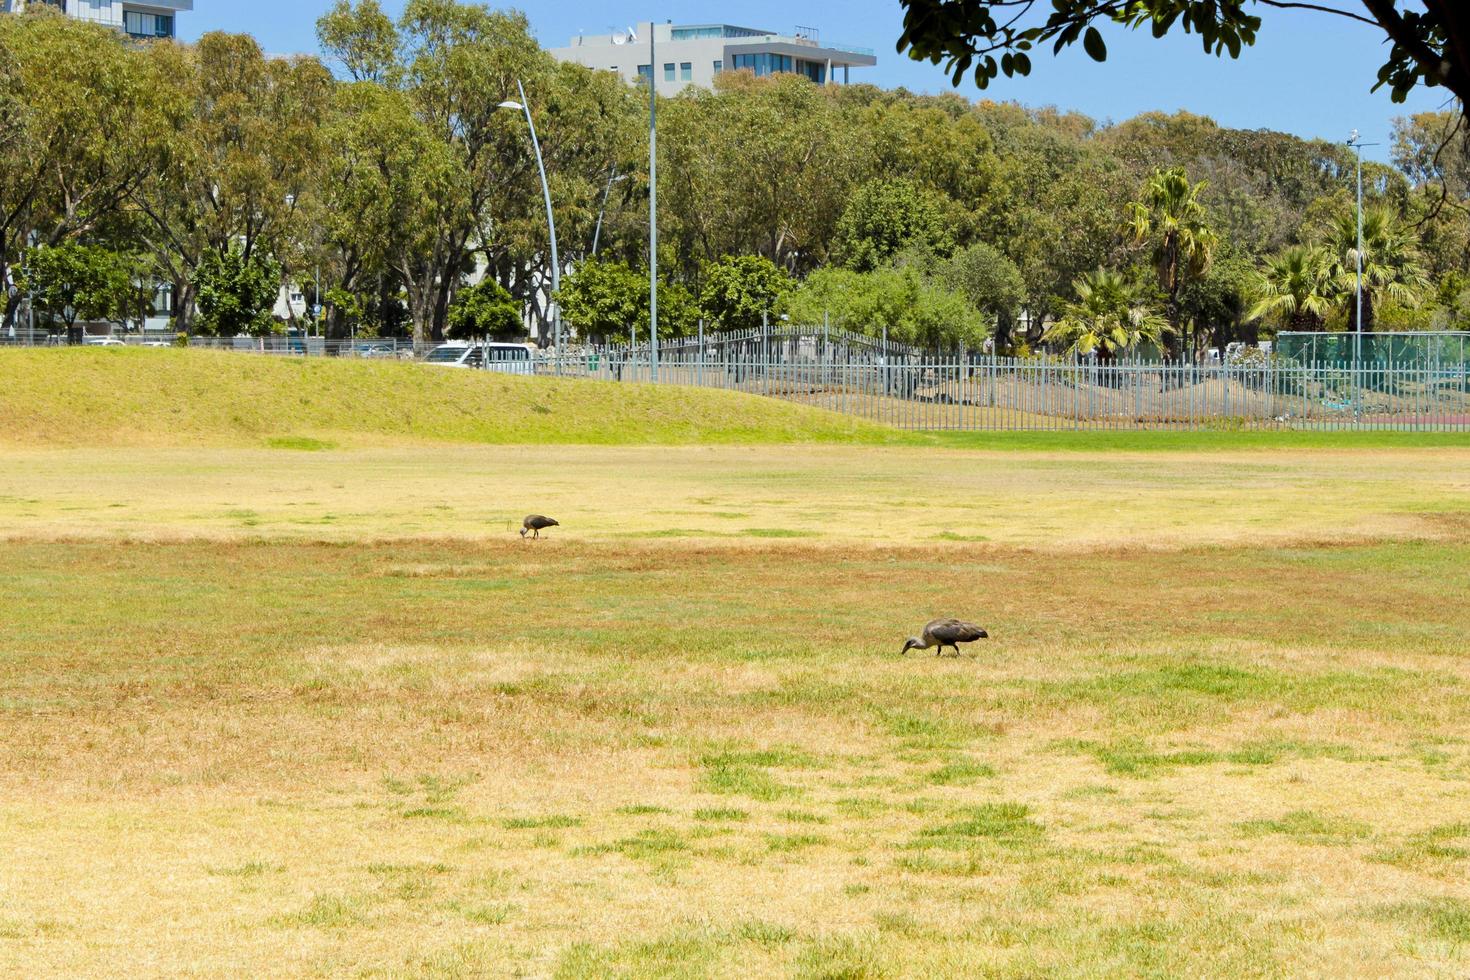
(908, 388)
(991, 393)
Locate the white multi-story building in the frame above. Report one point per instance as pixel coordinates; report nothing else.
(142, 19)
(693, 54)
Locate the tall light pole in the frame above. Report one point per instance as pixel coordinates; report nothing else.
(652, 204)
(1356, 142)
(612, 178)
(525, 107)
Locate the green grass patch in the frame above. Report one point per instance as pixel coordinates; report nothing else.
(303, 444)
(1009, 824)
(555, 821)
(1306, 827)
(1446, 918)
(960, 772)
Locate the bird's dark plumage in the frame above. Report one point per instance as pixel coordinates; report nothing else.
(943, 633)
(536, 523)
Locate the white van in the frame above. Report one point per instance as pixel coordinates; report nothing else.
(505, 358)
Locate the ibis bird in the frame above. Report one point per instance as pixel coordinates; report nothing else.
(536, 524)
(943, 633)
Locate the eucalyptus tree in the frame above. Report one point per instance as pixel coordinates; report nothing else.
(85, 119)
(392, 192)
(456, 63)
(759, 166)
(1170, 218)
(245, 160)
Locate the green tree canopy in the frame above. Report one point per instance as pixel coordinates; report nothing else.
(1108, 318)
(608, 302)
(237, 293)
(1294, 288)
(911, 309)
(73, 282)
(485, 309)
(739, 289)
(1390, 263)
(885, 217)
(1171, 220)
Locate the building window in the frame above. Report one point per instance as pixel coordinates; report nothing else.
(686, 71)
(645, 72)
(139, 24)
(669, 72)
(814, 70)
(764, 63)
(719, 67)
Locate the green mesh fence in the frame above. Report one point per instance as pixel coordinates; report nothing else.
(1409, 348)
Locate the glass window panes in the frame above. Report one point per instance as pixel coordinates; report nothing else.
(140, 24)
(645, 71)
(719, 67)
(686, 71)
(669, 71)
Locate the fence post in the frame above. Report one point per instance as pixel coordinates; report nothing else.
(826, 353)
(699, 363)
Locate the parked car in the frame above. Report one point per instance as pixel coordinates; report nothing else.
(509, 359)
(102, 342)
(504, 358)
(456, 354)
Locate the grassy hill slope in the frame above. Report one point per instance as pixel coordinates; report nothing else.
(112, 397)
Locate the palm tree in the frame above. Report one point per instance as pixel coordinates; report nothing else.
(1391, 268)
(1295, 288)
(1169, 214)
(1107, 318)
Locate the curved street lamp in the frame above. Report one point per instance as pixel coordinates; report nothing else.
(523, 106)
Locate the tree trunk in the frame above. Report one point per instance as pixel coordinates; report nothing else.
(184, 307)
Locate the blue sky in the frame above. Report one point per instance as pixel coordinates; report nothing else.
(1308, 74)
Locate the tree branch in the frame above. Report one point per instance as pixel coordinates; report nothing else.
(1287, 5)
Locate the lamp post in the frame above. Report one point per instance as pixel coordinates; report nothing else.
(1356, 142)
(612, 178)
(652, 203)
(525, 107)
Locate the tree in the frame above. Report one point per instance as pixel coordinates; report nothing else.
(911, 309)
(739, 290)
(608, 302)
(1391, 269)
(237, 293)
(1170, 218)
(485, 310)
(73, 282)
(85, 119)
(1294, 288)
(885, 217)
(989, 281)
(392, 190)
(245, 161)
(1428, 47)
(1107, 319)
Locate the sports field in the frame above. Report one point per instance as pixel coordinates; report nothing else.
(292, 699)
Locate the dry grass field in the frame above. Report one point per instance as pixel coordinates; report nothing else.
(279, 713)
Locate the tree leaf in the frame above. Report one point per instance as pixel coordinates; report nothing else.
(1092, 41)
